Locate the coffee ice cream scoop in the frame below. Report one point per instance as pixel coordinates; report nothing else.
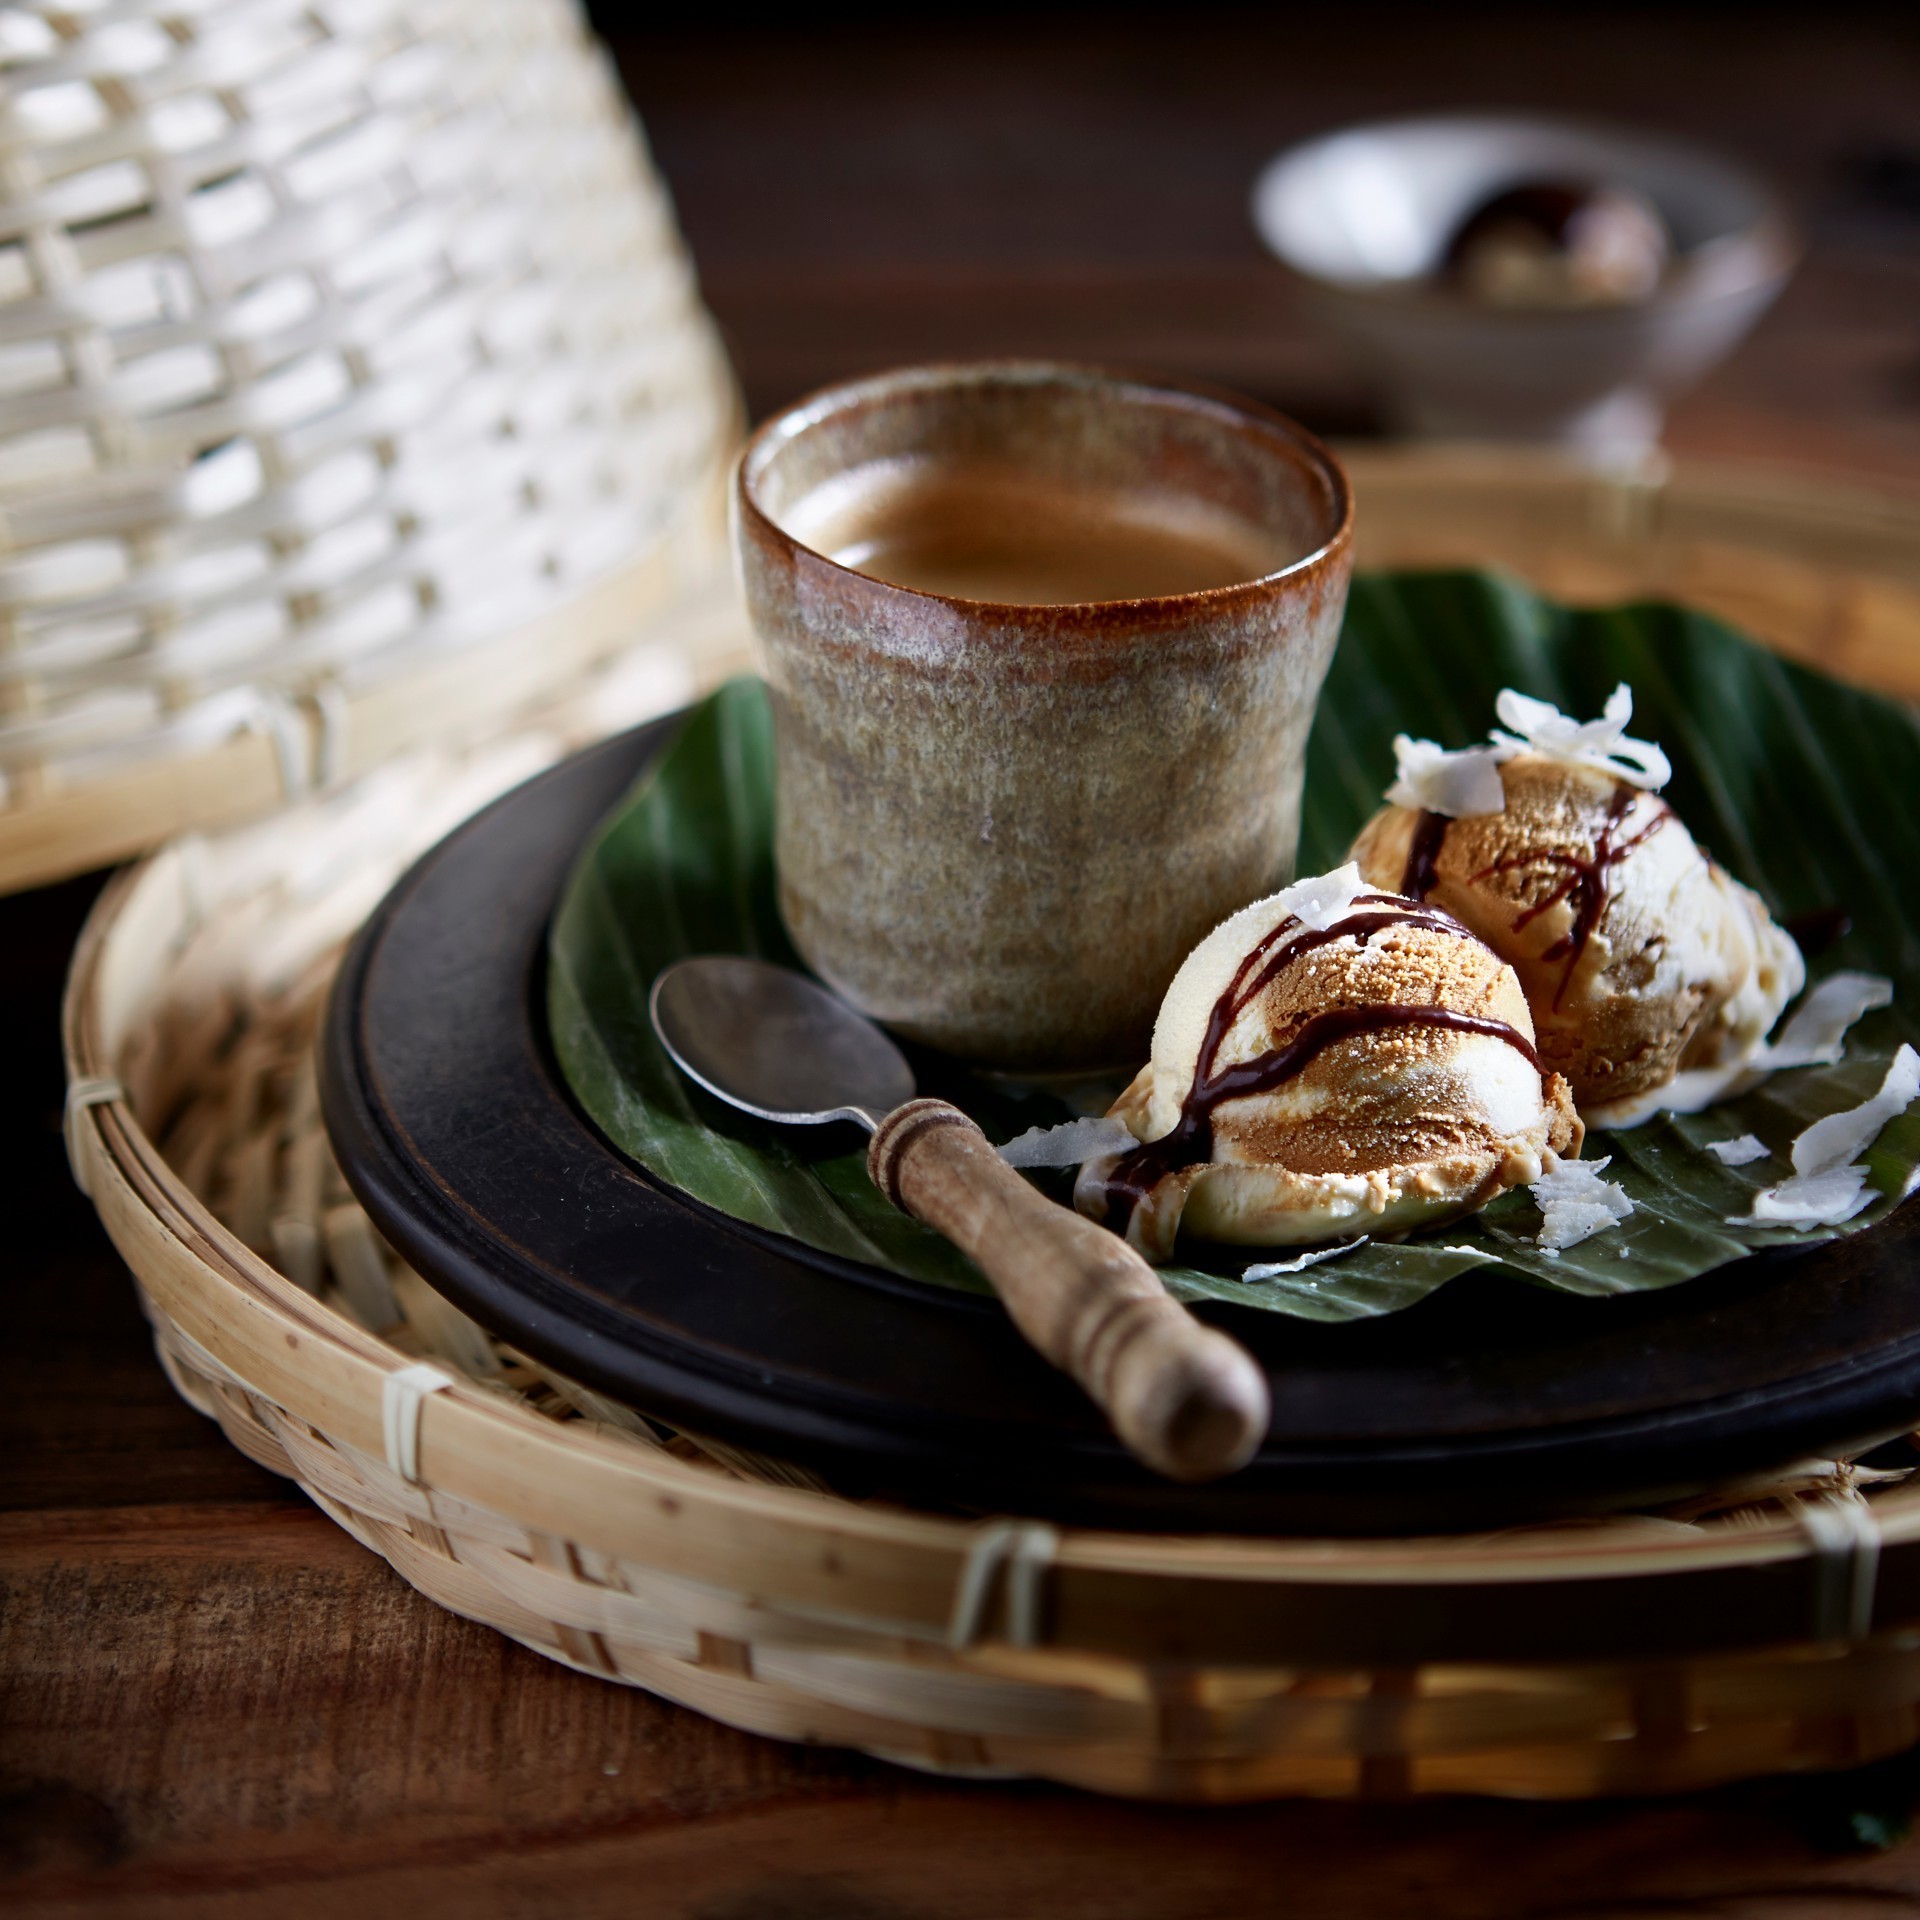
(1641, 959)
(1329, 1062)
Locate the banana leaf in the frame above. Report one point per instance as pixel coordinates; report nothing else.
(1806, 789)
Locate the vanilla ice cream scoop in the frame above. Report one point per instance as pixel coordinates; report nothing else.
(1330, 1062)
(1640, 958)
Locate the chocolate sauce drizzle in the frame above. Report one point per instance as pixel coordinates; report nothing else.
(1584, 877)
(1813, 933)
(1190, 1140)
(1423, 854)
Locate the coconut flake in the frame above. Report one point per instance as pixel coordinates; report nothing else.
(1276, 1269)
(1322, 900)
(1815, 1034)
(1460, 784)
(1837, 1138)
(1742, 1151)
(1540, 727)
(1827, 1199)
(1824, 1189)
(1575, 1203)
(1070, 1143)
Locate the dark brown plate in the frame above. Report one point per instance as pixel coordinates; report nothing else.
(1489, 1402)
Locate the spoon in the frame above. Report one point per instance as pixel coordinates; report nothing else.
(1186, 1400)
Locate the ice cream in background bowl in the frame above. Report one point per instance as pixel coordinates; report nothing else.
(1653, 977)
(1559, 243)
(1331, 1061)
(1482, 308)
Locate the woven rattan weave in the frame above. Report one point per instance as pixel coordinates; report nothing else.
(339, 341)
(1774, 1627)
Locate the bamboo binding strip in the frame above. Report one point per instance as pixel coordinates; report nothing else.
(342, 342)
(1775, 1626)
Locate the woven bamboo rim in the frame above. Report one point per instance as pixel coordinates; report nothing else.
(1776, 1626)
(1828, 571)
(353, 383)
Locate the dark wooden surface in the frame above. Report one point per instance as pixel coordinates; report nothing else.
(213, 1702)
(1083, 189)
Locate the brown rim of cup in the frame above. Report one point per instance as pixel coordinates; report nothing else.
(1232, 409)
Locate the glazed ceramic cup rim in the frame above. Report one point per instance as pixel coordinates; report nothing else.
(1231, 409)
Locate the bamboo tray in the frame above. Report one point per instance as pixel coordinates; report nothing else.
(1775, 1626)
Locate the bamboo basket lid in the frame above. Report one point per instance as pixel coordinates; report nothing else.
(1774, 1626)
(354, 390)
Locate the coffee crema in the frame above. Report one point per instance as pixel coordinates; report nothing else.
(991, 531)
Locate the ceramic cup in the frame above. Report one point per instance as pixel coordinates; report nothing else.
(1000, 828)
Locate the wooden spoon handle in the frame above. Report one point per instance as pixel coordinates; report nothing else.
(1187, 1401)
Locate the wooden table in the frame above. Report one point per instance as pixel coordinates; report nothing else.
(213, 1702)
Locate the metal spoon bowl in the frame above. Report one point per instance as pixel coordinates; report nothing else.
(774, 1043)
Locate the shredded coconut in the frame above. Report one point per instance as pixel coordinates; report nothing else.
(1458, 784)
(1068, 1144)
(1812, 1199)
(1322, 900)
(1742, 1151)
(1815, 1034)
(1837, 1138)
(1274, 1269)
(1575, 1203)
(1540, 727)
(1827, 1188)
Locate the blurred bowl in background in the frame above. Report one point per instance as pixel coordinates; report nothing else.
(1364, 219)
